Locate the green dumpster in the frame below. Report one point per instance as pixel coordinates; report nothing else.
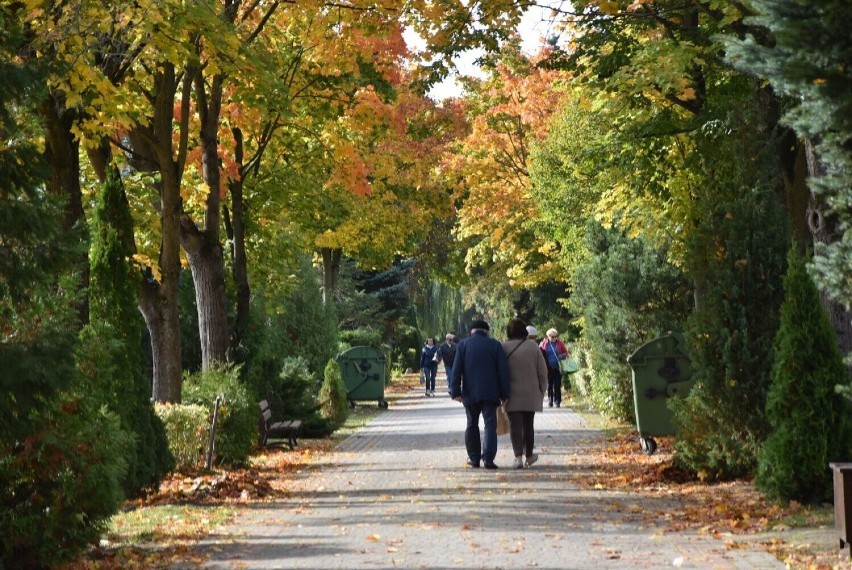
(363, 371)
(661, 370)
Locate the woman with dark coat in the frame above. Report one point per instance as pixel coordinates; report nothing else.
(527, 385)
(429, 364)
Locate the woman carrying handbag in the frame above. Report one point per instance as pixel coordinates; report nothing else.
(554, 350)
(527, 383)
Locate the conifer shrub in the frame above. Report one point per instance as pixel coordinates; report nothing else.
(113, 380)
(738, 258)
(626, 293)
(294, 395)
(62, 487)
(334, 404)
(61, 456)
(236, 428)
(110, 356)
(287, 324)
(811, 423)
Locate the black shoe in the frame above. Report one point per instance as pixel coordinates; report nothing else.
(472, 463)
(558, 404)
(550, 404)
(491, 465)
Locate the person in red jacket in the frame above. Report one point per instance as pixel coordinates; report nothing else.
(554, 351)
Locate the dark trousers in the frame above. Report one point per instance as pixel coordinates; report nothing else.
(521, 432)
(430, 371)
(477, 448)
(554, 385)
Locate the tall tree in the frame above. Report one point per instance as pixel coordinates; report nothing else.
(811, 423)
(806, 58)
(63, 458)
(508, 114)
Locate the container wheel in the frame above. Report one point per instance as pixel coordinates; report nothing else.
(648, 445)
(351, 404)
(383, 404)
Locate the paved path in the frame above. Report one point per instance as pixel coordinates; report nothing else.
(398, 495)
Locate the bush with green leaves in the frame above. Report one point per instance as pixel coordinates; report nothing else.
(811, 422)
(61, 488)
(738, 260)
(187, 428)
(236, 430)
(333, 397)
(362, 336)
(626, 294)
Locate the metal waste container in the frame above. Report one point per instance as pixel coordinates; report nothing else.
(661, 370)
(363, 371)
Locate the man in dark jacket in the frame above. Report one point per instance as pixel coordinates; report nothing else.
(447, 355)
(480, 380)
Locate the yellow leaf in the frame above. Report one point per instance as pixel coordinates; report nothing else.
(373, 538)
(608, 7)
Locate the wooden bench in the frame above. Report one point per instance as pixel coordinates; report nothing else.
(289, 429)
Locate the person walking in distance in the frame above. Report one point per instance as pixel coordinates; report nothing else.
(554, 351)
(480, 381)
(447, 355)
(527, 385)
(429, 364)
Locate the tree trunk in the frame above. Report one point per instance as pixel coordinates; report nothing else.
(62, 150)
(236, 227)
(203, 247)
(208, 274)
(161, 317)
(825, 229)
(330, 272)
(159, 303)
(160, 300)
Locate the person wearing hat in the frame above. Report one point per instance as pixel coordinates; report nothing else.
(480, 381)
(554, 351)
(447, 355)
(532, 334)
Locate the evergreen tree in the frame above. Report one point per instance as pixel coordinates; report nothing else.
(113, 357)
(333, 398)
(61, 456)
(291, 325)
(807, 58)
(626, 293)
(309, 325)
(722, 423)
(811, 422)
